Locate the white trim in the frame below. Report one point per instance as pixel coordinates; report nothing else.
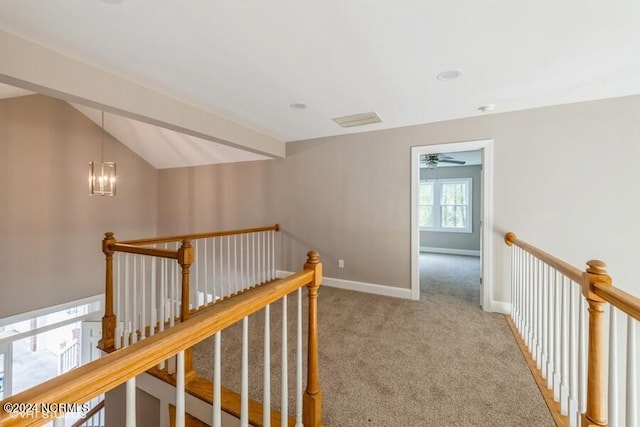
(48, 310)
(486, 214)
(501, 307)
(52, 326)
(352, 285)
(450, 251)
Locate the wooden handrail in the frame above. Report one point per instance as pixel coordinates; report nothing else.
(133, 249)
(567, 269)
(108, 372)
(620, 299)
(167, 239)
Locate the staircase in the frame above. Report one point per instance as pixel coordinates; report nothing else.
(165, 295)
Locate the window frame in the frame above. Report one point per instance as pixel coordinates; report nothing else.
(437, 205)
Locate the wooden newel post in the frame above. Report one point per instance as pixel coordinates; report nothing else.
(312, 402)
(109, 318)
(596, 413)
(185, 259)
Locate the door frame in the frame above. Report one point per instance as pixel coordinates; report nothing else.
(486, 215)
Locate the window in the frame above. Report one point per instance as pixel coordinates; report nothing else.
(445, 205)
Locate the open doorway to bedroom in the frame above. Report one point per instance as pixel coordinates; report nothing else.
(451, 193)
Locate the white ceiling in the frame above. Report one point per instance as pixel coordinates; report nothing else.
(249, 61)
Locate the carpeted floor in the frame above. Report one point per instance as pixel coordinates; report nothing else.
(440, 361)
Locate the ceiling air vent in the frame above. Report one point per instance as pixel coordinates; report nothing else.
(358, 119)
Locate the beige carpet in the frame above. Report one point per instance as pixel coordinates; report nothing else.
(439, 361)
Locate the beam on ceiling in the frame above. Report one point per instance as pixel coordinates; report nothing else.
(39, 69)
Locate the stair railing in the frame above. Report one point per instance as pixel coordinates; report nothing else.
(559, 312)
(155, 283)
(122, 366)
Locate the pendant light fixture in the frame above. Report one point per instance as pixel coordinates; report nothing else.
(102, 175)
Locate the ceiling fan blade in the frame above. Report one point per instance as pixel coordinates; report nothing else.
(456, 162)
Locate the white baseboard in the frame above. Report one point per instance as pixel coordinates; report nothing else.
(469, 252)
(501, 307)
(352, 285)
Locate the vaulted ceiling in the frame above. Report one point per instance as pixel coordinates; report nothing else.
(250, 61)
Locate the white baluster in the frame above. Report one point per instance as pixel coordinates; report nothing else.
(537, 315)
(254, 277)
(582, 355)
(266, 404)
(273, 254)
(194, 288)
(544, 312)
(217, 401)
(206, 274)
(214, 263)
(526, 298)
(228, 278)
(163, 293)
(565, 339)
(263, 273)
(515, 309)
(530, 301)
(180, 403)
(172, 295)
(613, 368)
(243, 285)
(269, 255)
(134, 302)
(534, 324)
(163, 300)
(557, 351)
(127, 290)
(268, 265)
(632, 375)
(244, 386)
(143, 305)
(117, 298)
(573, 356)
(235, 263)
(520, 287)
(299, 363)
(551, 312)
(284, 398)
(152, 292)
(130, 406)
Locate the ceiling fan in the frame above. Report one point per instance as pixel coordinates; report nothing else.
(431, 160)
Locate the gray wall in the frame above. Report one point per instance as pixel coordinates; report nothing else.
(448, 240)
(147, 408)
(50, 228)
(559, 178)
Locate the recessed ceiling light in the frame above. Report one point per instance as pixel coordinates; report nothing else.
(449, 75)
(487, 108)
(298, 105)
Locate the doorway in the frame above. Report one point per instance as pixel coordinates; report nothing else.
(418, 156)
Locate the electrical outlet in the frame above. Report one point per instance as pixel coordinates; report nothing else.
(340, 263)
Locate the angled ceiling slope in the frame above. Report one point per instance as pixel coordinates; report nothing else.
(165, 148)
